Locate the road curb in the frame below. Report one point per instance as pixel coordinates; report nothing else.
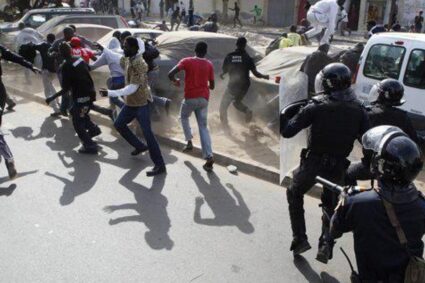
(258, 171)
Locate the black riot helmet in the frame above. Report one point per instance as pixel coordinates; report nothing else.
(396, 158)
(388, 92)
(336, 77)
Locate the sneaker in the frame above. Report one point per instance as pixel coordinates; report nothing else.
(157, 170)
(299, 247)
(64, 113)
(87, 150)
(188, 147)
(208, 166)
(137, 151)
(95, 132)
(10, 165)
(11, 106)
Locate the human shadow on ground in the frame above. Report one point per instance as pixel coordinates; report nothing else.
(310, 274)
(8, 190)
(84, 177)
(224, 207)
(150, 208)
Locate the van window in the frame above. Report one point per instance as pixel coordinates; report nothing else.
(415, 73)
(384, 61)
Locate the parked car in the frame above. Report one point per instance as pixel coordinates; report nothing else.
(36, 17)
(151, 34)
(109, 21)
(399, 56)
(89, 31)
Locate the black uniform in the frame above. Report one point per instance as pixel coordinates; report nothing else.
(336, 121)
(76, 79)
(379, 254)
(380, 115)
(8, 55)
(238, 64)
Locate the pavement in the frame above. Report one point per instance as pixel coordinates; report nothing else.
(76, 218)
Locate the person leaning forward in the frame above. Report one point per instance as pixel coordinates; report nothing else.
(137, 97)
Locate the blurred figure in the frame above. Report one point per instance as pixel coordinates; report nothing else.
(314, 63)
(351, 57)
(237, 11)
(285, 41)
(323, 15)
(175, 19)
(344, 23)
(294, 36)
(48, 72)
(419, 20)
(163, 26)
(258, 13)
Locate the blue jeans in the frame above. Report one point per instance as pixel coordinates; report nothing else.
(115, 83)
(200, 107)
(141, 113)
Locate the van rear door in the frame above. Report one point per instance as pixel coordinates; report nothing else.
(414, 82)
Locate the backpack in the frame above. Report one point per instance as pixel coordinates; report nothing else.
(27, 52)
(273, 45)
(151, 52)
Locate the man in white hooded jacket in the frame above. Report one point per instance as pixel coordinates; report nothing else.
(322, 15)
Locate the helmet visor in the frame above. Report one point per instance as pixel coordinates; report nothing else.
(376, 137)
(318, 83)
(374, 93)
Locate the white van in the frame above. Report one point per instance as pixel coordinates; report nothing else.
(399, 56)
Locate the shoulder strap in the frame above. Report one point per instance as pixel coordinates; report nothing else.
(389, 208)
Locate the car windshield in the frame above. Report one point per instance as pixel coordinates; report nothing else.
(49, 25)
(415, 73)
(384, 61)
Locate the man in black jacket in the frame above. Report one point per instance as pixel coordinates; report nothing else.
(77, 80)
(238, 65)
(382, 254)
(336, 120)
(48, 71)
(10, 56)
(383, 111)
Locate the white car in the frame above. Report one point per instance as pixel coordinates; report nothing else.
(137, 32)
(399, 56)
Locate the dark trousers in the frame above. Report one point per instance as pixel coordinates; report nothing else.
(115, 83)
(312, 166)
(140, 113)
(83, 125)
(227, 99)
(358, 171)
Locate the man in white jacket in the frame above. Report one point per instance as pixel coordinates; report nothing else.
(322, 15)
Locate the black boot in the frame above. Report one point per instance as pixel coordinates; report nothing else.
(299, 246)
(156, 171)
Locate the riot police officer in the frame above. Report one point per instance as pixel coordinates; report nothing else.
(381, 255)
(336, 119)
(389, 94)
